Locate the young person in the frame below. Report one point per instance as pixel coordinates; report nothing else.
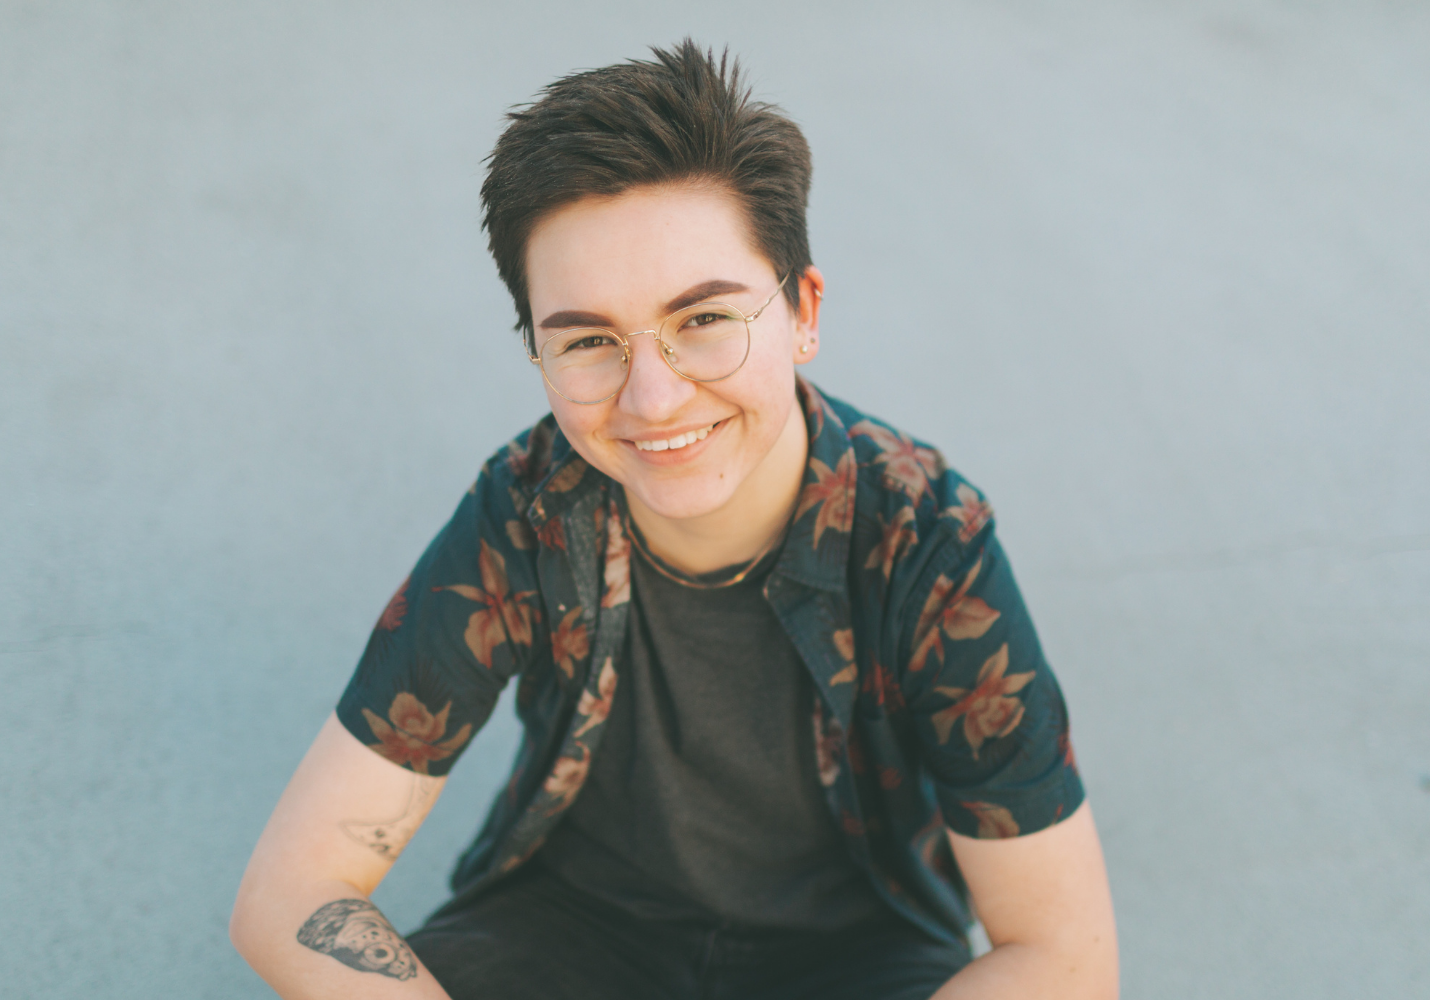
(785, 713)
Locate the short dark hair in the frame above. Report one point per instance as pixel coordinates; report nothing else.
(682, 116)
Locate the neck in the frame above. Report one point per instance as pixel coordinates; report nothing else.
(747, 525)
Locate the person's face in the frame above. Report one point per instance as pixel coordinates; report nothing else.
(624, 263)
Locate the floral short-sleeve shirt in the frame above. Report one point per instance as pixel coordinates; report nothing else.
(933, 704)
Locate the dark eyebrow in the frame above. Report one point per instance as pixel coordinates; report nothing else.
(568, 318)
(703, 291)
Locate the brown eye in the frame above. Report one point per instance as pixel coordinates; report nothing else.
(702, 319)
(587, 342)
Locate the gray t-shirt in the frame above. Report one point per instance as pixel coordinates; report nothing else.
(704, 801)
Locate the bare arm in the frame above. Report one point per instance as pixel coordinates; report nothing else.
(1044, 901)
(302, 918)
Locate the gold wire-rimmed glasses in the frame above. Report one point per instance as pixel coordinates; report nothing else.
(706, 342)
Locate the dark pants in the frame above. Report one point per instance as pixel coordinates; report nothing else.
(535, 937)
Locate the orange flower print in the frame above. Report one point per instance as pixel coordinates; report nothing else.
(412, 738)
(552, 534)
(908, 464)
(958, 617)
(890, 778)
(569, 475)
(594, 708)
(844, 642)
(972, 512)
(529, 462)
(618, 562)
(994, 822)
(833, 493)
(517, 458)
(817, 409)
(828, 739)
(1065, 749)
(569, 643)
(396, 609)
(896, 539)
(882, 684)
(989, 710)
(567, 776)
(521, 535)
(504, 617)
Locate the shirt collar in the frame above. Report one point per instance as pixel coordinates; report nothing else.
(816, 551)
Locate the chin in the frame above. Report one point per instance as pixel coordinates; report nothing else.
(680, 500)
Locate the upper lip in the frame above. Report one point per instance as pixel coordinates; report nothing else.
(667, 435)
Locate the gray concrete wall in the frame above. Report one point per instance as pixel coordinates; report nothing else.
(1155, 276)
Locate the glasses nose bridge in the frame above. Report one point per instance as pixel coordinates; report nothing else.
(664, 348)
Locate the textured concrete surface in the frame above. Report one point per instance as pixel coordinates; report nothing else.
(1155, 276)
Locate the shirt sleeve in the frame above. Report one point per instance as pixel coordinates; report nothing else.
(988, 713)
(450, 638)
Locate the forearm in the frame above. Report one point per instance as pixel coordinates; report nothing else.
(326, 940)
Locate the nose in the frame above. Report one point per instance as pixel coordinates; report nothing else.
(653, 392)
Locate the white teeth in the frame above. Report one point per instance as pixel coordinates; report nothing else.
(679, 441)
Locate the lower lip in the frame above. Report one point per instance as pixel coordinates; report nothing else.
(679, 455)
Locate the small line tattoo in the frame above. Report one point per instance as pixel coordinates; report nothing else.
(388, 837)
(356, 934)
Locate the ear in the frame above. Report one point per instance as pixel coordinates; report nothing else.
(806, 333)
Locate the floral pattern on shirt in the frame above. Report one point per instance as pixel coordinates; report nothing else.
(830, 496)
(933, 707)
(895, 538)
(569, 644)
(994, 821)
(503, 617)
(990, 710)
(972, 512)
(908, 465)
(412, 736)
(618, 561)
(954, 614)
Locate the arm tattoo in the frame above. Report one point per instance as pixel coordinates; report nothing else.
(356, 934)
(388, 837)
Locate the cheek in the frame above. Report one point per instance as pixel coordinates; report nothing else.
(776, 349)
(771, 371)
(576, 422)
(582, 426)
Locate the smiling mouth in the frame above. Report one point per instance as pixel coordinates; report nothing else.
(677, 442)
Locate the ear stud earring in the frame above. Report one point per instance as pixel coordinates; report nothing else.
(804, 348)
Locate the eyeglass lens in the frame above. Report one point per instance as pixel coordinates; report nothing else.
(705, 343)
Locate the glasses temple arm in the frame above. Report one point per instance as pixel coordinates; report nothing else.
(756, 314)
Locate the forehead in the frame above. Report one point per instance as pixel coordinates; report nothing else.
(642, 243)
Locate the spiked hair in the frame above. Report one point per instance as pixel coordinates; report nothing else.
(683, 116)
